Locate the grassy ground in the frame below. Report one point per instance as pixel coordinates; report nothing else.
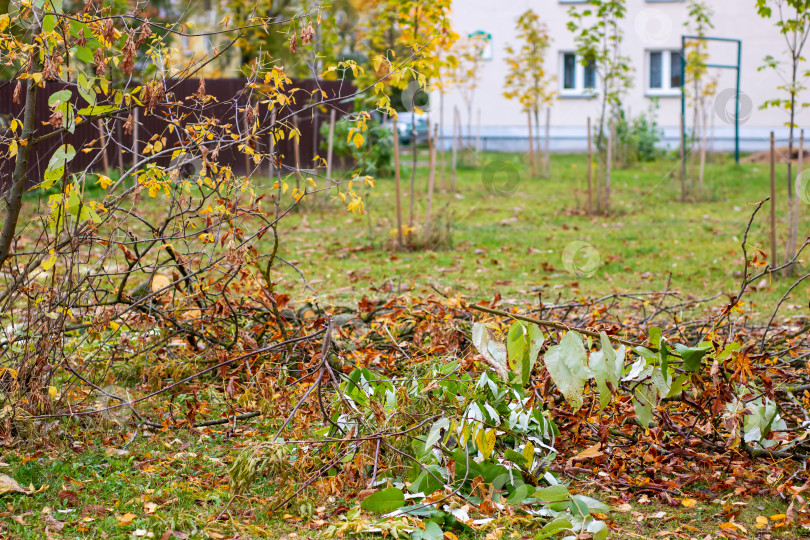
(509, 233)
(508, 236)
(93, 488)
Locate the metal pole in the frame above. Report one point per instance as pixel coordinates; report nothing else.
(774, 264)
(737, 115)
(683, 118)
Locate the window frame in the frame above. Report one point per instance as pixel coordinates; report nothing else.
(666, 89)
(579, 90)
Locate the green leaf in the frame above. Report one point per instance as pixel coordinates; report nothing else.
(62, 96)
(554, 527)
(566, 363)
(606, 365)
(677, 385)
(644, 402)
(654, 336)
(663, 352)
(592, 504)
(487, 340)
(523, 343)
(84, 54)
(662, 382)
(384, 501)
(598, 529)
(63, 154)
(51, 176)
(96, 110)
(692, 355)
(432, 532)
(552, 494)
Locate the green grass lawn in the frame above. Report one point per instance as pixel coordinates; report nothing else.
(88, 486)
(512, 243)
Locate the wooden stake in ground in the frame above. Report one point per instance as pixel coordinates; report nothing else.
(136, 143)
(431, 176)
(703, 143)
(609, 164)
(413, 172)
(532, 168)
(330, 145)
(272, 146)
(590, 170)
(456, 136)
(120, 136)
(397, 186)
(103, 141)
(478, 133)
(297, 152)
(548, 139)
(773, 202)
(441, 149)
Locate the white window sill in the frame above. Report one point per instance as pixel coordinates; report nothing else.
(576, 94)
(656, 93)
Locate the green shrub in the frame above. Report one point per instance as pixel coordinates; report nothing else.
(374, 157)
(639, 139)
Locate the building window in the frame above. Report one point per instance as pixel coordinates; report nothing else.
(578, 78)
(483, 41)
(664, 72)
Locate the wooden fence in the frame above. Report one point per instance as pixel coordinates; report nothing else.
(231, 96)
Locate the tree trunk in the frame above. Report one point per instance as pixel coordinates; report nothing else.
(20, 174)
(795, 208)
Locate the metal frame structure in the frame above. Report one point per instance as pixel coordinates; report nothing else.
(736, 67)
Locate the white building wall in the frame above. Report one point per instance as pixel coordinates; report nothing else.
(650, 25)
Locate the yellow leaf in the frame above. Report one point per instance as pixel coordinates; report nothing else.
(52, 392)
(358, 140)
(778, 517)
(761, 523)
(485, 441)
(4, 20)
(48, 263)
(104, 181)
(114, 326)
(12, 149)
(688, 503)
(124, 520)
(7, 484)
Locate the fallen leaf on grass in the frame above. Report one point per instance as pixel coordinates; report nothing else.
(688, 503)
(591, 452)
(7, 484)
(125, 520)
(53, 524)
